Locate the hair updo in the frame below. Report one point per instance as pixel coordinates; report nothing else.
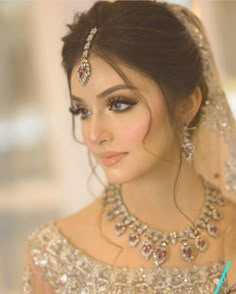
(145, 35)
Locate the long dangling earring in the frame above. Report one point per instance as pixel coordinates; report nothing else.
(187, 147)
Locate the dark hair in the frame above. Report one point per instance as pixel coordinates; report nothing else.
(146, 36)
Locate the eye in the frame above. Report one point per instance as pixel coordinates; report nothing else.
(78, 111)
(118, 102)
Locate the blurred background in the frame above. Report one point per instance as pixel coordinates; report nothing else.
(41, 177)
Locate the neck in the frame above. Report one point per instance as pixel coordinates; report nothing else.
(151, 197)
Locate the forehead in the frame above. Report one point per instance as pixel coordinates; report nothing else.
(101, 73)
(104, 76)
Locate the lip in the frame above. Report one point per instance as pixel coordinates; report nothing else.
(110, 154)
(109, 158)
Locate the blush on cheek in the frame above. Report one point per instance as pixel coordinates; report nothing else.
(134, 133)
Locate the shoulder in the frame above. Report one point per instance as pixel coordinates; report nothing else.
(48, 251)
(77, 226)
(68, 227)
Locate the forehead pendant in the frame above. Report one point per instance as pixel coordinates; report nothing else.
(84, 67)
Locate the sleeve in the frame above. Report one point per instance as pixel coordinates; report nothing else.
(230, 255)
(33, 280)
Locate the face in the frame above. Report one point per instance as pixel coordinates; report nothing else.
(118, 121)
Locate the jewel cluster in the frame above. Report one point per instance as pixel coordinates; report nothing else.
(155, 243)
(84, 67)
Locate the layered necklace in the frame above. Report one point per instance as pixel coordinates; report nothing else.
(154, 243)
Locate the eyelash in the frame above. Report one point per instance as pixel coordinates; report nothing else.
(110, 102)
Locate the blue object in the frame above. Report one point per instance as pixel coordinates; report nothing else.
(222, 277)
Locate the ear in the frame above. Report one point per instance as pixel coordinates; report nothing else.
(188, 108)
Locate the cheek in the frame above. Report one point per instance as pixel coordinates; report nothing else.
(133, 132)
(127, 131)
(160, 134)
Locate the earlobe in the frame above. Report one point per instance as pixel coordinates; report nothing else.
(196, 99)
(189, 107)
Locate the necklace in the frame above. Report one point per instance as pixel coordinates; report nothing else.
(155, 244)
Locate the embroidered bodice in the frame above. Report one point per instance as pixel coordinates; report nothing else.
(68, 270)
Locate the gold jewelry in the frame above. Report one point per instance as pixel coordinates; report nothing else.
(84, 70)
(187, 145)
(160, 252)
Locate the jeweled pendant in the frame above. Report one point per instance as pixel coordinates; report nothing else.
(133, 239)
(216, 215)
(187, 252)
(83, 71)
(200, 244)
(187, 150)
(200, 223)
(147, 249)
(120, 229)
(160, 254)
(212, 230)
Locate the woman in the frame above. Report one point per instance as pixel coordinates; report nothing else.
(146, 96)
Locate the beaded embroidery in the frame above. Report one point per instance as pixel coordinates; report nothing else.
(69, 271)
(26, 281)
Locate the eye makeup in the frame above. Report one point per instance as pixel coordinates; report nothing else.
(110, 102)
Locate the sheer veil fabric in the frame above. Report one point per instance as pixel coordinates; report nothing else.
(215, 137)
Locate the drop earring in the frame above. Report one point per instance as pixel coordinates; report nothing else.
(187, 147)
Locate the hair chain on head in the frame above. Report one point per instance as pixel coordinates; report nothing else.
(84, 70)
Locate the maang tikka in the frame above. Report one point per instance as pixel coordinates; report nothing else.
(84, 69)
(187, 147)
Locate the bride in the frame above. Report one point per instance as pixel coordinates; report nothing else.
(147, 101)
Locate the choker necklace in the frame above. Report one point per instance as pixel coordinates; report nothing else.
(155, 244)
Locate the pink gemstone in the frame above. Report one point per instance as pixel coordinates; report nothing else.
(212, 230)
(186, 150)
(187, 252)
(201, 243)
(132, 238)
(160, 253)
(147, 248)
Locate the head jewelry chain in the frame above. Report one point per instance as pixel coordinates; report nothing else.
(84, 70)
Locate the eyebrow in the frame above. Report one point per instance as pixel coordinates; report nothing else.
(106, 92)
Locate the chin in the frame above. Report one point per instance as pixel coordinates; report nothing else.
(120, 177)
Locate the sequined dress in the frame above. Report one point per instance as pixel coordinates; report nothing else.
(58, 267)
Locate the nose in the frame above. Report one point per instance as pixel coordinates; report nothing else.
(98, 129)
